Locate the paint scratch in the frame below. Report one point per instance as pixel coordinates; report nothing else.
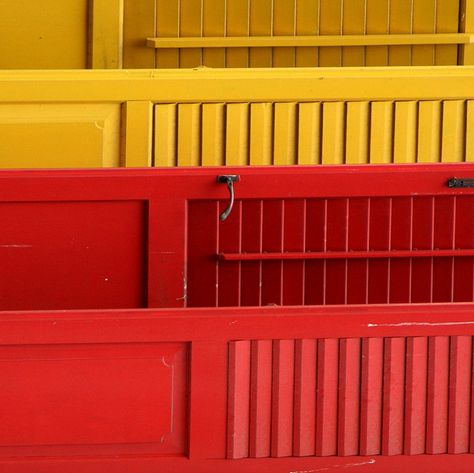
(16, 246)
(421, 324)
(345, 465)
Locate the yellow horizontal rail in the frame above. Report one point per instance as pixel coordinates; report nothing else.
(319, 41)
(238, 85)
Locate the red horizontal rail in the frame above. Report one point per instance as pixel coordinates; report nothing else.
(345, 255)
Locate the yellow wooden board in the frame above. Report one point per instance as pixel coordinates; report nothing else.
(58, 136)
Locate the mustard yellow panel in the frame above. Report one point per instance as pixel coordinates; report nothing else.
(58, 136)
(335, 132)
(43, 34)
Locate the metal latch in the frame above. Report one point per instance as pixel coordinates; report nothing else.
(228, 179)
(455, 182)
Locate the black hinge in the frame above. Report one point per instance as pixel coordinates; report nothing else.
(455, 182)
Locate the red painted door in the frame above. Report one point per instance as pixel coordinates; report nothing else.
(125, 345)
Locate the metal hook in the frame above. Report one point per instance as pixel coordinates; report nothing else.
(228, 179)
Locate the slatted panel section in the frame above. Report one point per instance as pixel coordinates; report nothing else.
(229, 263)
(211, 18)
(209, 134)
(373, 396)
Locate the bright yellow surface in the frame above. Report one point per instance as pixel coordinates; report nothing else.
(248, 28)
(43, 34)
(236, 117)
(64, 135)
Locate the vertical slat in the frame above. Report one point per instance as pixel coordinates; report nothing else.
(466, 56)
(326, 407)
(354, 22)
(315, 241)
(464, 238)
(251, 271)
(203, 221)
(381, 132)
(358, 239)
(405, 132)
(261, 133)
(429, 132)
(424, 21)
(106, 34)
(470, 131)
(213, 134)
(401, 239)
(422, 268)
(336, 240)
(357, 133)
(377, 23)
(393, 396)
(304, 434)
(139, 24)
(444, 217)
(260, 398)
(309, 133)
(437, 405)
(137, 134)
(237, 134)
(282, 398)
(371, 396)
(460, 394)
(284, 22)
(400, 22)
(237, 25)
(333, 133)
(261, 24)
(349, 397)
(447, 21)
(213, 24)
(307, 23)
(415, 402)
(330, 23)
(454, 127)
(167, 25)
(285, 134)
(238, 400)
(379, 239)
(189, 134)
(165, 135)
(272, 275)
(230, 241)
(294, 240)
(190, 26)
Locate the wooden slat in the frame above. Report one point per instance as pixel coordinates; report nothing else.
(137, 134)
(333, 133)
(284, 16)
(424, 21)
(309, 133)
(285, 134)
(237, 25)
(381, 132)
(237, 138)
(454, 127)
(405, 139)
(260, 399)
(330, 23)
(307, 23)
(261, 24)
(354, 23)
(213, 134)
(377, 23)
(357, 133)
(190, 26)
(165, 135)
(400, 22)
(189, 135)
(429, 131)
(213, 24)
(167, 25)
(447, 21)
(261, 133)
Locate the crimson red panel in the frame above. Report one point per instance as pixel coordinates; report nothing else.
(73, 255)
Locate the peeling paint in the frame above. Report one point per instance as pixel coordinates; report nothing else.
(421, 324)
(333, 467)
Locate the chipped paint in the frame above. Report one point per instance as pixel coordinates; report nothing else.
(345, 465)
(421, 324)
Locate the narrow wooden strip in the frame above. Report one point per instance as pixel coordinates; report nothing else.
(213, 134)
(282, 398)
(137, 134)
(454, 128)
(371, 396)
(309, 133)
(260, 398)
(429, 132)
(285, 134)
(238, 400)
(326, 414)
(304, 429)
(405, 132)
(415, 402)
(189, 135)
(167, 25)
(349, 397)
(237, 136)
(333, 133)
(381, 132)
(357, 133)
(437, 405)
(261, 133)
(393, 396)
(460, 394)
(165, 135)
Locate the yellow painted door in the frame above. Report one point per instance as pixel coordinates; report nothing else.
(59, 135)
(43, 34)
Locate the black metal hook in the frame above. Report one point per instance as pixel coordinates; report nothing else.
(229, 180)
